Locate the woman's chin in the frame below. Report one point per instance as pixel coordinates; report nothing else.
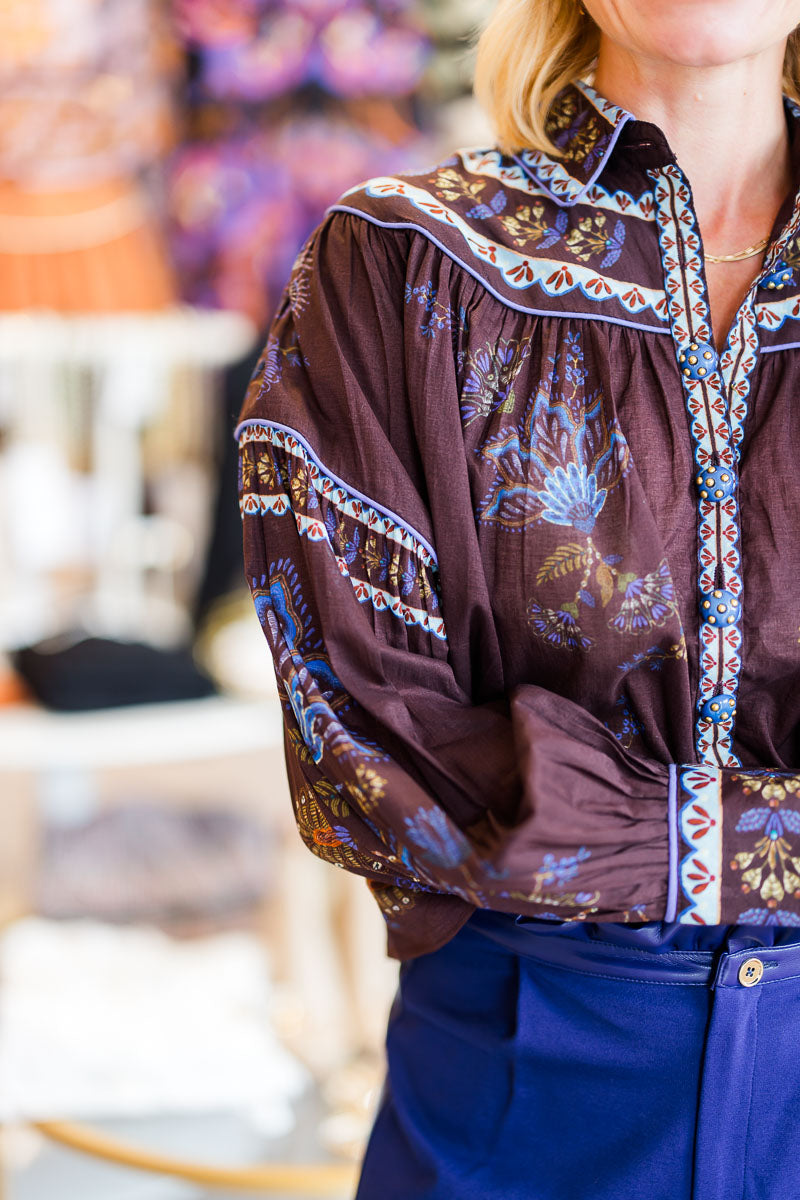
(700, 34)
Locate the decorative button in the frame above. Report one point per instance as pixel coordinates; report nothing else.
(777, 279)
(717, 483)
(718, 707)
(719, 607)
(750, 972)
(697, 360)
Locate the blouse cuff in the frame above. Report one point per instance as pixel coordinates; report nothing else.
(737, 852)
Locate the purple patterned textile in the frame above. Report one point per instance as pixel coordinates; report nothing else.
(523, 542)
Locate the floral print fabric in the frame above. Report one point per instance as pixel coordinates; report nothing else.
(471, 530)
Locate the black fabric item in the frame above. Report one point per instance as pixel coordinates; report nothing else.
(101, 673)
(223, 572)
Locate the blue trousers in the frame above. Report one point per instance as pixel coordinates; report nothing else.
(530, 1061)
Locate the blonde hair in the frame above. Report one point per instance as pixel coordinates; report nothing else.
(530, 49)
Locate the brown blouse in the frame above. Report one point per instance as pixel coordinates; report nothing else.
(525, 547)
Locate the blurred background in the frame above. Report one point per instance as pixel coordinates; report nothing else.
(182, 985)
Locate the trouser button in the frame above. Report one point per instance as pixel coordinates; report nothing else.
(750, 971)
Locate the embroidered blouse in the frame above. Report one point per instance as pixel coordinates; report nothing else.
(524, 545)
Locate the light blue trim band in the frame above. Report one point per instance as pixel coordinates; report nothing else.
(672, 822)
(583, 188)
(386, 512)
(535, 312)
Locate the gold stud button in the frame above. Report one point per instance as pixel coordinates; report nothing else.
(750, 972)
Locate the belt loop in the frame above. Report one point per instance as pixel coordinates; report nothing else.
(719, 969)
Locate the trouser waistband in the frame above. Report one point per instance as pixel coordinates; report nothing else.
(736, 965)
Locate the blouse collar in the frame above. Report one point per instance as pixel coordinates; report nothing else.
(590, 130)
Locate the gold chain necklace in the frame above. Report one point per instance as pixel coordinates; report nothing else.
(748, 253)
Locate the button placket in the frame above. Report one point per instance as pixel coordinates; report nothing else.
(700, 815)
(777, 279)
(709, 381)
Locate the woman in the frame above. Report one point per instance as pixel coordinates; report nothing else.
(519, 501)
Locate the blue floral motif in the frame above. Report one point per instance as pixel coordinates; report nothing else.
(655, 656)
(558, 626)
(648, 601)
(345, 837)
(442, 845)
(310, 717)
(279, 600)
(269, 368)
(490, 375)
(555, 872)
(346, 548)
(496, 205)
(768, 916)
(437, 317)
(773, 821)
(562, 459)
(630, 725)
(304, 668)
(571, 497)
(768, 862)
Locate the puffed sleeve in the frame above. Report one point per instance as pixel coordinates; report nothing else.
(354, 546)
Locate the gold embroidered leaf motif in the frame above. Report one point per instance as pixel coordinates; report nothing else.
(249, 469)
(770, 788)
(394, 572)
(450, 186)
(772, 888)
(605, 581)
(334, 801)
(426, 589)
(368, 788)
(300, 487)
(774, 791)
(585, 901)
(301, 750)
(744, 858)
(265, 469)
(393, 900)
(564, 559)
(753, 878)
(372, 556)
(791, 881)
(791, 255)
(526, 224)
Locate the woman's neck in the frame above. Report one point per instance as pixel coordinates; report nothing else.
(726, 126)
